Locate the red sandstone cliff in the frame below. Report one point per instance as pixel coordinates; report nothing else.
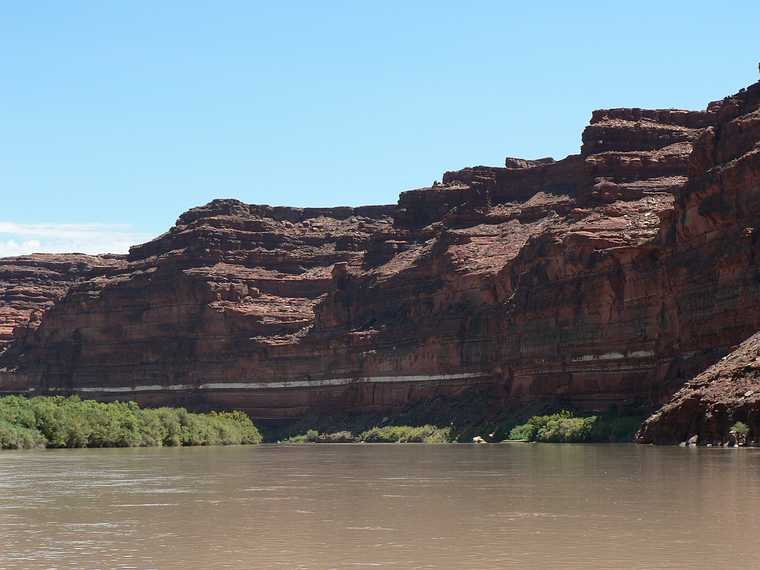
(605, 278)
(31, 284)
(714, 265)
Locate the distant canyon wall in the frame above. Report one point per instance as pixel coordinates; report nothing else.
(607, 278)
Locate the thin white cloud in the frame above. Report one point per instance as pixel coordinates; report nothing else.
(13, 247)
(22, 239)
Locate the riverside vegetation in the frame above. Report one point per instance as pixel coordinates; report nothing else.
(564, 427)
(60, 422)
(387, 434)
(560, 427)
(69, 422)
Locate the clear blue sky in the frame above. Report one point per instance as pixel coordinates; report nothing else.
(118, 116)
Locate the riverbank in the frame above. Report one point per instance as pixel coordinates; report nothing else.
(60, 422)
(69, 422)
(473, 413)
(565, 427)
(389, 434)
(560, 427)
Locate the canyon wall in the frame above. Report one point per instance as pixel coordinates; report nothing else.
(607, 278)
(715, 266)
(31, 284)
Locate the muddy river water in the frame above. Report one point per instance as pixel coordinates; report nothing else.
(381, 506)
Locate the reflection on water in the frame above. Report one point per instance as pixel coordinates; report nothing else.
(381, 506)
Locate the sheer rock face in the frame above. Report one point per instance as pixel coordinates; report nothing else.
(589, 279)
(715, 270)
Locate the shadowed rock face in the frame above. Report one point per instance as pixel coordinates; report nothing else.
(606, 278)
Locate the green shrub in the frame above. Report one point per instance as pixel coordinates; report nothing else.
(245, 429)
(18, 411)
(564, 427)
(71, 422)
(523, 432)
(164, 427)
(566, 430)
(440, 435)
(740, 428)
(311, 436)
(407, 434)
(388, 434)
(336, 437)
(19, 437)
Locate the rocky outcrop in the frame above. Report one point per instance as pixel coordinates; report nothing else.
(513, 162)
(710, 404)
(607, 278)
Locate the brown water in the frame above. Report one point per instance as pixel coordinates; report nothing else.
(382, 506)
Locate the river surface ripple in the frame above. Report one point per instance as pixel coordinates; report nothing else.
(381, 506)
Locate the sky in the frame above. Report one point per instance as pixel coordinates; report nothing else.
(116, 117)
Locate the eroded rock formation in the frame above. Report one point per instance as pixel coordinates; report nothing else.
(715, 267)
(31, 284)
(605, 278)
(709, 405)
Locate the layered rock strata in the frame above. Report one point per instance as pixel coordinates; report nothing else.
(715, 266)
(603, 279)
(31, 284)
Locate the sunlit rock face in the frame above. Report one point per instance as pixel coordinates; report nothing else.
(31, 284)
(708, 405)
(603, 279)
(715, 273)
